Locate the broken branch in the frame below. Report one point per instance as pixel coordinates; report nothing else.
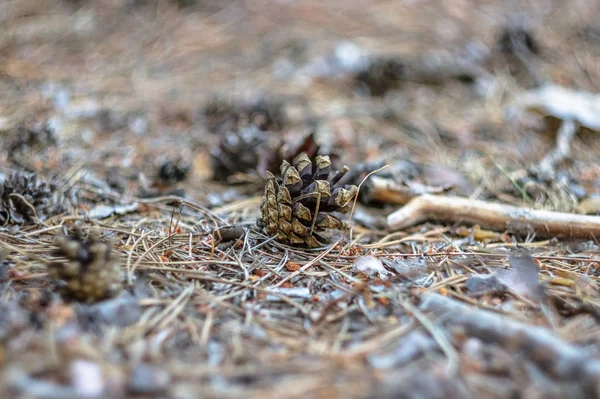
(388, 191)
(538, 344)
(493, 216)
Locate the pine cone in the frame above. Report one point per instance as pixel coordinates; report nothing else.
(297, 205)
(91, 271)
(252, 151)
(517, 39)
(222, 116)
(238, 152)
(380, 76)
(172, 171)
(23, 196)
(31, 137)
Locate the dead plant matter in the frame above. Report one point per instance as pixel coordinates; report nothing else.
(91, 270)
(299, 203)
(494, 216)
(24, 198)
(223, 116)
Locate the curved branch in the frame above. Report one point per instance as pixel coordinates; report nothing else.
(493, 216)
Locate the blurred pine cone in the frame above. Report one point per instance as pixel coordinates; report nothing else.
(514, 39)
(32, 137)
(172, 171)
(91, 270)
(23, 197)
(222, 116)
(380, 76)
(254, 152)
(298, 204)
(238, 152)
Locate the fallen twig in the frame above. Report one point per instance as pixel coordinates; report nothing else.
(384, 190)
(552, 354)
(387, 191)
(438, 336)
(493, 216)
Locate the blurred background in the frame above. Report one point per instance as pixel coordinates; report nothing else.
(105, 102)
(127, 85)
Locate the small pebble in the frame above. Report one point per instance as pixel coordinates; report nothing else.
(148, 380)
(87, 378)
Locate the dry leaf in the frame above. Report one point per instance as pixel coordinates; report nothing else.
(411, 269)
(292, 266)
(523, 277)
(370, 265)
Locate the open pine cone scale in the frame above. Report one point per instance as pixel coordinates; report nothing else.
(298, 204)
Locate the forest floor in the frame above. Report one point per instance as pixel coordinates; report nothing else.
(116, 116)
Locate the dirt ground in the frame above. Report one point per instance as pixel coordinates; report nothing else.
(96, 97)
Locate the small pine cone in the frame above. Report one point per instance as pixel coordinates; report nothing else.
(298, 204)
(517, 39)
(23, 197)
(91, 271)
(252, 151)
(172, 171)
(238, 152)
(222, 116)
(32, 137)
(380, 76)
